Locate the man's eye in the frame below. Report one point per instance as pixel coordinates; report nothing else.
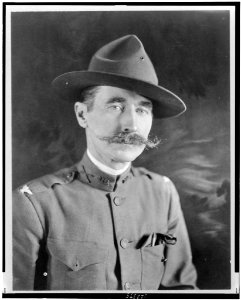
(116, 107)
(143, 111)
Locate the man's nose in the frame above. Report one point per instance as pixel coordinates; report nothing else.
(129, 120)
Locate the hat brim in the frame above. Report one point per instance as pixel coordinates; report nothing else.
(165, 103)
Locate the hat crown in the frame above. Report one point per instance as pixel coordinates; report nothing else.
(125, 56)
(121, 49)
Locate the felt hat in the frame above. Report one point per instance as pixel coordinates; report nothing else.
(122, 63)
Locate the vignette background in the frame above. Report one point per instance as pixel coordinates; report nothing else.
(190, 52)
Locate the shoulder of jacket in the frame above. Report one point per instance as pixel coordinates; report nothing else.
(140, 171)
(63, 176)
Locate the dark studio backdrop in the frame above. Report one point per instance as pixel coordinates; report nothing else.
(190, 52)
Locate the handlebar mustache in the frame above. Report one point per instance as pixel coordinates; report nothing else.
(131, 138)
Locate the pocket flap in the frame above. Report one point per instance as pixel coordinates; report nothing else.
(77, 255)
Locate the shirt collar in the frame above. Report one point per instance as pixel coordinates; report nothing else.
(90, 174)
(105, 168)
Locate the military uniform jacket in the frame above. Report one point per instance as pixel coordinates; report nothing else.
(81, 229)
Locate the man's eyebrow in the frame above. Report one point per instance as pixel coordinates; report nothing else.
(116, 100)
(146, 103)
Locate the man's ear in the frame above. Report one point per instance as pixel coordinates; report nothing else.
(81, 113)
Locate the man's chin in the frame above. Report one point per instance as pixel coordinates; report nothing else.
(127, 153)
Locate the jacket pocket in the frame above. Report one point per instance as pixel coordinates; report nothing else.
(152, 266)
(82, 265)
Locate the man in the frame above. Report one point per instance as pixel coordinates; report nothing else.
(103, 224)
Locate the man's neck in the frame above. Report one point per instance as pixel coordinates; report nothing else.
(105, 168)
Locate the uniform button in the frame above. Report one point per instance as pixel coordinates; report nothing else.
(117, 201)
(45, 274)
(124, 243)
(127, 285)
(164, 259)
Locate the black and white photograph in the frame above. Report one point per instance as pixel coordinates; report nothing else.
(120, 163)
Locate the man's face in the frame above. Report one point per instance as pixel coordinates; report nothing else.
(115, 111)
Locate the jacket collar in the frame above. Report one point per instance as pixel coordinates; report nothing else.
(90, 174)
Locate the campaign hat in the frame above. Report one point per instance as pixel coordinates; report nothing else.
(122, 63)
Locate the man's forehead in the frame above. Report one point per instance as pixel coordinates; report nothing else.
(107, 93)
